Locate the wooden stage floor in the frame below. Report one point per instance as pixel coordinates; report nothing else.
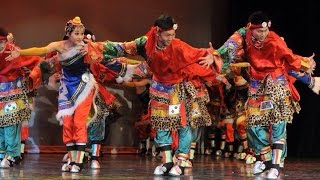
(48, 166)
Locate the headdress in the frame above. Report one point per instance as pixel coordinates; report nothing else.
(70, 25)
(258, 19)
(260, 25)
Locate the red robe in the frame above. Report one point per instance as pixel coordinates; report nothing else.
(274, 58)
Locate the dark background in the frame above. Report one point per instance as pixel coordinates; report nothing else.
(299, 24)
(38, 22)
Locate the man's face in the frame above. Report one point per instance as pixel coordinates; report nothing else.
(2, 45)
(166, 37)
(260, 33)
(77, 35)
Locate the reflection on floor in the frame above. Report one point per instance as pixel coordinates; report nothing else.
(48, 166)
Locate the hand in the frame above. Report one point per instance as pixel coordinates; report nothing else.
(87, 40)
(312, 64)
(84, 49)
(10, 38)
(14, 53)
(211, 47)
(209, 59)
(316, 86)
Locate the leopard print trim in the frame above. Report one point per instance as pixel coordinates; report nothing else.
(158, 98)
(203, 120)
(187, 92)
(12, 97)
(199, 115)
(190, 89)
(15, 118)
(283, 104)
(166, 123)
(160, 102)
(22, 114)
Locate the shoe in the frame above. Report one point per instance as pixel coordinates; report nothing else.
(207, 152)
(227, 154)
(160, 170)
(243, 156)
(75, 169)
(176, 170)
(218, 152)
(66, 167)
(250, 159)
(236, 156)
(163, 169)
(95, 164)
(259, 167)
(5, 163)
(273, 173)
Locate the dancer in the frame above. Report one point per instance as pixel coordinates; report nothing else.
(78, 86)
(15, 87)
(170, 92)
(272, 98)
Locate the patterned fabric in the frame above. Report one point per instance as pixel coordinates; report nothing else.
(277, 94)
(96, 131)
(112, 50)
(14, 106)
(103, 110)
(268, 67)
(142, 71)
(167, 101)
(199, 115)
(233, 49)
(74, 88)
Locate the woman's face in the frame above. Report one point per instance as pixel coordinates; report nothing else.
(77, 35)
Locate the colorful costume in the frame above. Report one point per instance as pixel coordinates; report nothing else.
(272, 98)
(105, 104)
(75, 84)
(14, 89)
(169, 91)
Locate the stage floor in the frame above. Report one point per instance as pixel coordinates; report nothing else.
(48, 166)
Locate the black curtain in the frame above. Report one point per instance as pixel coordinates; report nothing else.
(299, 24)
